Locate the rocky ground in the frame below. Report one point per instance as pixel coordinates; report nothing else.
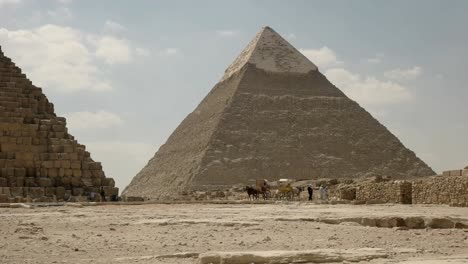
(291, 232)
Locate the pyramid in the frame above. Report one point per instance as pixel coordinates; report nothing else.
(39, 159)
(273, 115)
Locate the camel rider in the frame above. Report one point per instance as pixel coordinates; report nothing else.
(265, 186)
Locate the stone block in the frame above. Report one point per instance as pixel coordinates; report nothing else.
(52, 172)
(35, 192)
(77, 173)
(60, 193)
(75, 165)
(19, 181)
(44, 182)
(4, 198)
(30, 182)
(50, 191)
(76, 182)
(97, 173)
(108, 182)
(68, 194)
(456, 172)
(77, 191)
(465, 172)
(68, 172)
(5, 190)
(20, 172)
(3, 182)
(111, 191)
(16, 191)
(65, 164)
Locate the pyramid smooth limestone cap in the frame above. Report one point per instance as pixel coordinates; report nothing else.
(271, 52)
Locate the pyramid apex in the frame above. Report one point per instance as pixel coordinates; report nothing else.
(271, 52)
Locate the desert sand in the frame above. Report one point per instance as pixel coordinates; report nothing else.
(233, 233)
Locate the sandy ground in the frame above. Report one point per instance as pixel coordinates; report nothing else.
(156, 233)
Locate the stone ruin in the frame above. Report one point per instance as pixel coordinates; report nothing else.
(39, 159)
(450, 188)
(273, 115)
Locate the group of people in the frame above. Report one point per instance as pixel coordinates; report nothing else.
(322, 189)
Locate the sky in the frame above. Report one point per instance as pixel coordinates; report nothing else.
(126, 73)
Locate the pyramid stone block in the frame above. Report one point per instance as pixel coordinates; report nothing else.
(273, 115)
(37, 154)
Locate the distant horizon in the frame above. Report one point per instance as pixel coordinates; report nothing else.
(125, 82)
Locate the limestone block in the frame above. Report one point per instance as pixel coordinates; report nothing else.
(16, 191)
(77, 191)
(20, 172)
(68, 172)
(108, 182)
(95, 166)
(97, 173)
(3, 182)
(4, 198)
(52, 172)
(65, 164)
(76, 165)
(76, 182)
(50, 191)
(19, 181)
(60, 192)
(5, 190)
(68, 194)
(456, 173)
(44, 182)
(35, 192)
(465, 172)
(68, 149)
(30, 182)
(76, 173)
(111, 191)
(97, 182)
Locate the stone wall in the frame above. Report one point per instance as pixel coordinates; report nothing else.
(451, 190)
(385, 192)
(39, 159)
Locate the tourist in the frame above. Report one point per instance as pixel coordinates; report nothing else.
(103, 195)
(325, 193)
(321, 192)
(310, 191)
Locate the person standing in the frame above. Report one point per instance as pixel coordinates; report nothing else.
(322, 192)
(103, 195)
(310, 191)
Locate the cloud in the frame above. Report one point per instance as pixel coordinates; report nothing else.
(92, 120)
(114, 27)
(9, 2)
(142, 52)
(55, 57)
(323, 57)
(376, 59)
(368, 90)
(227, 33)
(169, 52)
(60, 14)
(402, 75)
(291, 36)
(113, 50)
(64, 1)
(66, 59)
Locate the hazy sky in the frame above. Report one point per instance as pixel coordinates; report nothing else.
(125, 73)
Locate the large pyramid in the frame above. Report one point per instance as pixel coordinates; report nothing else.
(38, 158)
(273, 115)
